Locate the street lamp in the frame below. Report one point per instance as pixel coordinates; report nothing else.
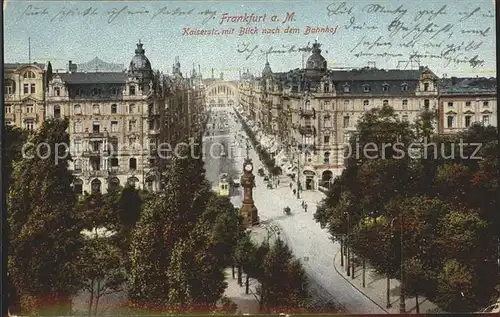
(402, 304)
(347, 245)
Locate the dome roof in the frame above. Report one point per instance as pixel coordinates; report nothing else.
(316, 61)
(140, 62)
(267, 70)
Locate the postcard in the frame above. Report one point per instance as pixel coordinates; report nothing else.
(250, 157)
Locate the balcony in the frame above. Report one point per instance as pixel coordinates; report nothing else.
(96, 153)
(96, 173)
(97, 134)
(307, 112)
(307, 130)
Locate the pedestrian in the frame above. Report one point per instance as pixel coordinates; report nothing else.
(290, 185)
(305, 207)
(303, 204)
(294, 192)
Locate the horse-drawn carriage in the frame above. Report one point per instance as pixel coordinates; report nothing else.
(287, 210)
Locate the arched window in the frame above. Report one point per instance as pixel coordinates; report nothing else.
(131, 108)
(114, 108)
(95, 186)
(114, 183)
(29, 74)
(57, 111)
(132, 181)
(57, 91)
(132, 163)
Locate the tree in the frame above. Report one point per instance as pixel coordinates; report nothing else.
(284, 286)
(245, 257)
(102, 269)
(14, 138)
(45, 241)
(455, 287)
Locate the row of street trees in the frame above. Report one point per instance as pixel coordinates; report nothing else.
(429, 216)
(164, 251)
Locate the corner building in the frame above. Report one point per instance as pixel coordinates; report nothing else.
(118, 119)
(311, 113)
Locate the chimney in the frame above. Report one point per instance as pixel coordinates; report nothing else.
(72, 68)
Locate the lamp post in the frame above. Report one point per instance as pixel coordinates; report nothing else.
(348, 253)
(402, 304)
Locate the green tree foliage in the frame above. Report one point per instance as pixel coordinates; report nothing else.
(14, 139)
(102, 270)
(284, 285)
(45, 241)
(444, 196)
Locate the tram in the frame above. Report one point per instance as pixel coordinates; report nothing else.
(223, 188)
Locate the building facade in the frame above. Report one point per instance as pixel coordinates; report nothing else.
(465, 101)
(311, 113)
(24, 94)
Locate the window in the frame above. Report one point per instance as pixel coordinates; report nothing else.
(131, 141)
(57, 91)
(131, 125)
(385, 102)
(29, 74)
(78, 109)
(78, 146)
(151, 125)
(114, 126)
(366, 103)
(77, 126)
(346, 122)
(8, 122)
(26, 88)
(33, 88)
(8, 109)
(346, 104)
(114, 91)
(95, 109)
(326, 158)
(346, 88)
(57, 112)
(327, 106)
(78, 92)
(94, 92)
(327, 87)
(450, 121)
(346, 137)
(426, 104)
(95, 186)
(96, 146)
(366, 88)
(78, 165)
(96, 127)
(29, 125)
(10, 87)
(405, 104)
(29, 108)
(485, 104)
(426, 86)
(132, 163)
(467, 103)
(78, 186)
(132, 90)
(114, 108)
(326, 139)
(131, 108)
(486, 120)
(450, 104)
(113, 162)
(404, 87)
(385, 87)
(468, 121)
(405, 118)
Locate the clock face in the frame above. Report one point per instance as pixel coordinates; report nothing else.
(248, 167)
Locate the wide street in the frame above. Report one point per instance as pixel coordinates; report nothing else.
(309, 243)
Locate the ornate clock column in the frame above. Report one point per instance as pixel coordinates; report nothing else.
(248, 210)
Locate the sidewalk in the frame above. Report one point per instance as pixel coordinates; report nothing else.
(376, 288)
(247, 304)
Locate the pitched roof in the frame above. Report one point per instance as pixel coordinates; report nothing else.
(94, 78)
(17, 65)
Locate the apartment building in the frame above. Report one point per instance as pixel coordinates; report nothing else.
(24, 94)
(312, 112)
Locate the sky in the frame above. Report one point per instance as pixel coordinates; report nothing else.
(388, 33)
